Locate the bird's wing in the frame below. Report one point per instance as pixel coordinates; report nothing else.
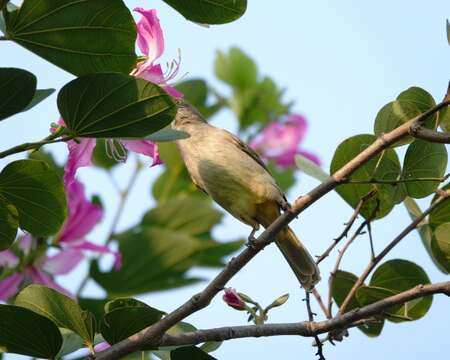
(254, 155)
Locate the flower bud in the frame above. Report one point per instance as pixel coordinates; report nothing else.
(232, 299)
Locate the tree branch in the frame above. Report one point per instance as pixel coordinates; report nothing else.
(305, 328)
(375, 260)
(420, 132)
(153, 334)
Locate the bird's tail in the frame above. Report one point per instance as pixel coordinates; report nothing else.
(299, 259)
(297, 256)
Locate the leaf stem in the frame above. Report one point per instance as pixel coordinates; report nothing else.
(32, 146)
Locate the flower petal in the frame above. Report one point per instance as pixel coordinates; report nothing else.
(150, 37)
(300, 123)
(83, 215)
(35, 276)
(8, 259)
(87, 245)
(80, 154)
(144, 147)
(314, 158)
(232, 299)
(63, 262)
(26, 243)
(9, 286)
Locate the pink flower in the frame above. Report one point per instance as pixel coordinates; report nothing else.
(232, 299)
(150, 40)
(80, 152)
(280, 142)
(41, 268)
(83, 216)
(39, 271)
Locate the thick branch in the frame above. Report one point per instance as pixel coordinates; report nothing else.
(375, 260)
(153, 334)
(305, 328)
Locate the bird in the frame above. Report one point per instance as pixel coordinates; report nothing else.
(222, 166)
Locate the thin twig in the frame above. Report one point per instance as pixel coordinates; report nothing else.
(347, 228)
(120, 208)
(311, 319)
(372, 249)
(154, 333)
(320, 302)
(374, 261)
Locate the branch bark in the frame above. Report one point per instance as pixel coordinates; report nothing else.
(152, 335)
(305, 328)
(420, 132)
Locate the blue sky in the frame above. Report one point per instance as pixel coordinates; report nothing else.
(340, 62)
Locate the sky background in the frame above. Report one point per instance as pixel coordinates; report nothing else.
(340, 62)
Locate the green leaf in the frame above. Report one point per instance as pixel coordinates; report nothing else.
(59, 308)
(444, 119)
(24, 332)
(366, 295)
(173, 237)
(37, 193)
(17, 88)
(125, 317)
(169, 253)
(81, 37)
(39, 96)
(258, 104)
(397, 276)
(440, 246)
(342, 284)
(210, 346)
(48, 158)
(71, 343)
(408, 105)
(189, 352)
(189, 215)
(167, 134)
(423, 228)
(310, 168)
(236, 69)
(9, 222)
(196, 93)
(441, 213)
(210, 11)
(384, 166)
(114, 105)
(424, 159)
(175, 180)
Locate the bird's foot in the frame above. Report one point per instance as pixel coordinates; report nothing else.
(251, 242)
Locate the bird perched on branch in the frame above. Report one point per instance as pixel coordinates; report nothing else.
(225, 168)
